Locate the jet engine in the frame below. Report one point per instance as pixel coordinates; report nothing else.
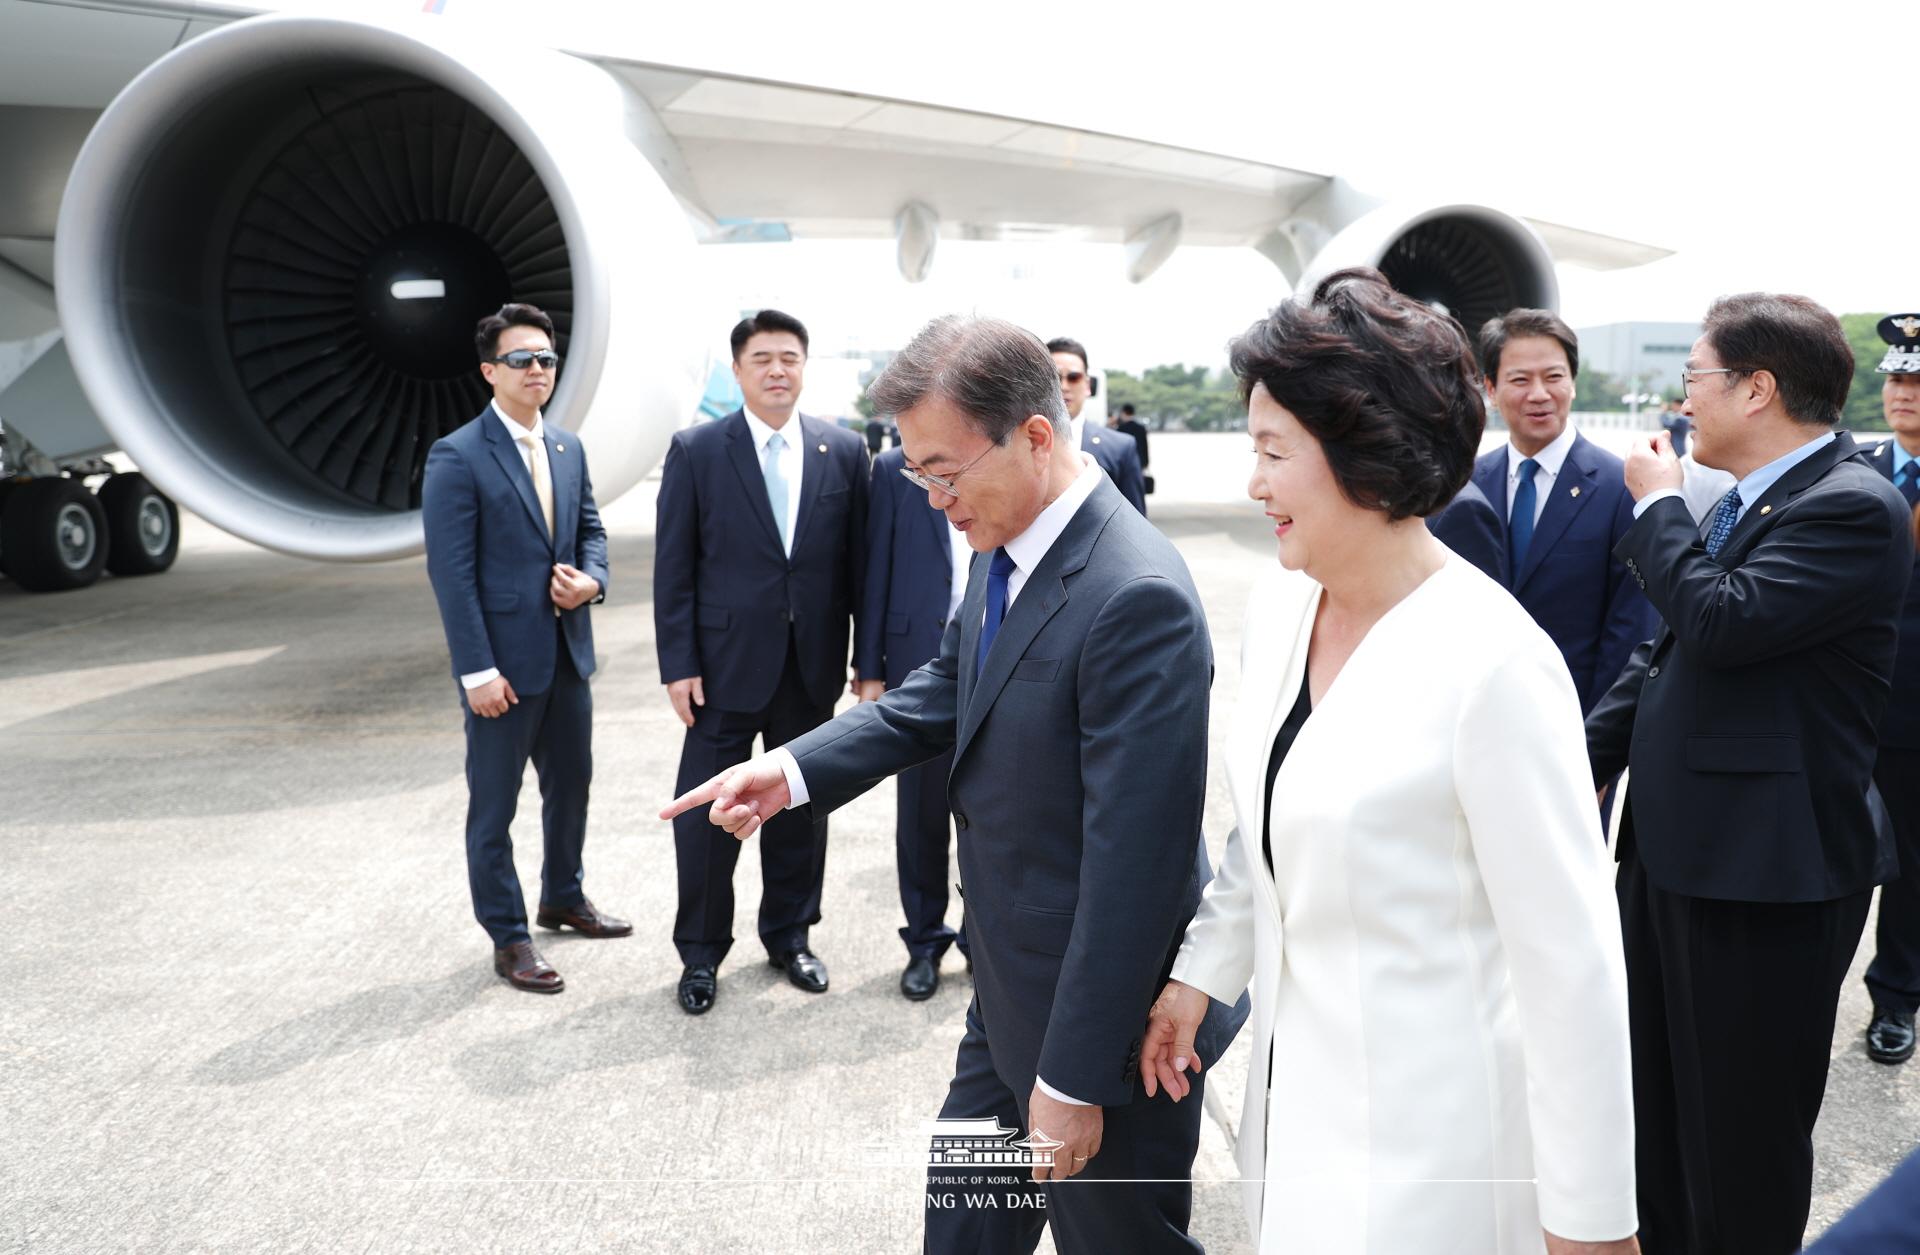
(276, 242)
(1472, 261)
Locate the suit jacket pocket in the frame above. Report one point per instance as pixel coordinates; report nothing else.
(1039, 670)
(1744, 753)
(1041, 929)
(499, 603)
(712, 616)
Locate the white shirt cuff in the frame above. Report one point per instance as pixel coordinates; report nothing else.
(474, 679)
(1051, 1092)
(1640, 506)
(796, 783)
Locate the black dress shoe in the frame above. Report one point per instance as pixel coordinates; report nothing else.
(698, 989)
(586, 919)
(920, 979)
(524, 969)
(803, 968)
(1890, 1036)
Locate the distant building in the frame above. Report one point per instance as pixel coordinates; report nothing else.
(1640, 356)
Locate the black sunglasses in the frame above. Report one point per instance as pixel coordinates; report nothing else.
(520, 359)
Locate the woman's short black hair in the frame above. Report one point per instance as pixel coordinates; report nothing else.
(1385, 383)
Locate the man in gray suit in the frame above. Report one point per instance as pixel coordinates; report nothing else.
(1077, 790)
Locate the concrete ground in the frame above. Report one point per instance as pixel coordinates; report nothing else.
(251, 1011)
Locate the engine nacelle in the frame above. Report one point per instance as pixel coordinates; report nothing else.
(1470, 260)
(276, 242)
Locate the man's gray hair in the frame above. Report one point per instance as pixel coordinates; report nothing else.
(997, 375)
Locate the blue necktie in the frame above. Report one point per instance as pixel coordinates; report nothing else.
(997, 572)
(776, 485)
(1723, 520)
(1520, 521)
(1908, 481)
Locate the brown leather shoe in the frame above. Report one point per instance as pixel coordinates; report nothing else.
(524, 969)
(586, 919)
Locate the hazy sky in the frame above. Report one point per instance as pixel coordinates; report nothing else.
(1763, 144)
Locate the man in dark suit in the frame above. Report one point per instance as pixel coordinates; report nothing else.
(1893, 978)
(516, 553)
(1077, 789)
(1472, 528)
(1118, 456)
(1127, 419)
(916, 574)
(757, 554)
(1747, 852)
(1564, 502)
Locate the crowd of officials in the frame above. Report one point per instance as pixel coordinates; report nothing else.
(1736, 627)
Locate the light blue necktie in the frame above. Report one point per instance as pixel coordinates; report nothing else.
(997, 572)
(1520, 522)
(1723, 520)
(776, 485)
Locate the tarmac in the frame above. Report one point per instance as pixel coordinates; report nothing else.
(253, 1011)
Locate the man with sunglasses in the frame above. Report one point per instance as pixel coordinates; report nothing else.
(516, 554)
(1116, 452)
(758, 549)
(1748, 852)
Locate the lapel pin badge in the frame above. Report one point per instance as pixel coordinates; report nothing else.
(1576, 491)
(1766, 509)
(823, 448)
(560, 448)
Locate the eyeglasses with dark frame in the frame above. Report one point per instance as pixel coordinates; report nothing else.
(934, 483)
(520, 359)
(1688, 374)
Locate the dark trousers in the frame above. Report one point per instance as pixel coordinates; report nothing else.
(555, 730)
(793, 847)
(1135, 1195)
(921, 830)
(1894, 975)
(1731, 1008)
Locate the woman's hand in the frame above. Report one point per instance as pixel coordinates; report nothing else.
(1167, 1052)
(1566, 1246)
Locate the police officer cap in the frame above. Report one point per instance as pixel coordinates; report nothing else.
(1902, 334)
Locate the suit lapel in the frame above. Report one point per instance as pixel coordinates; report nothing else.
(1755, 519)
(1881, 459)
(1573, 487)
(566, 490)
(1490, 477)
(507, 454)
(753, 481)
(813, 471)
(1042, 597)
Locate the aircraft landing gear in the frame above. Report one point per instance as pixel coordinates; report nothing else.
(143, 526)
(53, 535)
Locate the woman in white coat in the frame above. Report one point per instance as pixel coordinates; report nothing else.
(1416, 887)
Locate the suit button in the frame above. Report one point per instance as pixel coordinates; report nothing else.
(1652, 672)
(959, 821)
(940, 623)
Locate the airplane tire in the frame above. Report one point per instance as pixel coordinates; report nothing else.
(53, 535)
(143, 526)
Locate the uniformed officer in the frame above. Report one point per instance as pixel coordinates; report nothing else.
(1893, 978)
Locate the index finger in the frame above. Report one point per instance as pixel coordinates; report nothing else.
(701, 796)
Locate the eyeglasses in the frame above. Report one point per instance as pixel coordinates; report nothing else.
(1688, 374)
(934, 483)
(1073, 377)
(520, 359)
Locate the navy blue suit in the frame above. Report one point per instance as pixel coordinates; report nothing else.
(1119, 456)
(1894, 975)
(1569, 580)
(767, 635)
(1885, 1222)
(1471, 527)
(903, 616)
(491, 563)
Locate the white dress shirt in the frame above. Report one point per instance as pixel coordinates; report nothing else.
(791, 461)
(515, 432)
(1027, 550)
(962, 565)
(1549, 459)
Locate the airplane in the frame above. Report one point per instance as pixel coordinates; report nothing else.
(246, 245)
